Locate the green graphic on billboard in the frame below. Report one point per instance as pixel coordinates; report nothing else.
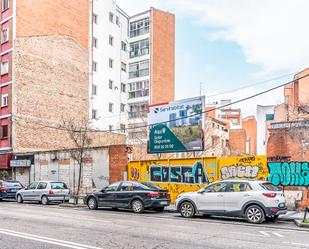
(176, 126)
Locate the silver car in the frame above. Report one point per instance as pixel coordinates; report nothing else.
(44, 192)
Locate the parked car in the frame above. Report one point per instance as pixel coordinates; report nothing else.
(44, 192)
(256, 201)
(129, 195)
(8, 189)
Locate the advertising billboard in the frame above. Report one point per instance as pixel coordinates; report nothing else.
(176, 126)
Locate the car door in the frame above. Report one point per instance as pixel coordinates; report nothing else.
(237, 194)
(29, 193)
(125, 194)
(211, 198)
(106, 197)
(40, 190)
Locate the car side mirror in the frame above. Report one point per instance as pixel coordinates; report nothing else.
(103, 190)
(201, 191)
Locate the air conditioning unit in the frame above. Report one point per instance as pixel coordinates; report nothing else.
(53, 157)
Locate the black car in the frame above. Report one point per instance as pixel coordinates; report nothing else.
(131, 195)
(8, 189)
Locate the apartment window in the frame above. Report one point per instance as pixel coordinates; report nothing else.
(5, 4)
(4, 100)
(122, 107)
(5, 35)
(110, 107)
(111, 40)
(123, 46)
(123, 67)
(138, 110)
(94, 114)
(139, 89)
(95, 42)
(122, 127)
(117, 20)
(139, 48)
(94, 66)
(139, 69)
(110, 84)
(139, 27)
(110, 127)
(4, 131)
(4, 67)
(123, 87)
(110, 62)
(111, 17)
(94, 90)
(95, 18)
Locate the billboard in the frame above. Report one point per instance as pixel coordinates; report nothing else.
(176, 126)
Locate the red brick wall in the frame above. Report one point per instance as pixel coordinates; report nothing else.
(162, 57)
(118, 162)
(249, 124)
(237, 141)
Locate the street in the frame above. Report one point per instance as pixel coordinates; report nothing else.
(36, 226)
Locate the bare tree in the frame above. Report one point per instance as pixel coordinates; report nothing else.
(79, 134)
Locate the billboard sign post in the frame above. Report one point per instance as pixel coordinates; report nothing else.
(176, 126)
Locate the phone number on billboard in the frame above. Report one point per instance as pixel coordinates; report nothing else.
(164, 146)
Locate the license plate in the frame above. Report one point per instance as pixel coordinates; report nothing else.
(163, 202)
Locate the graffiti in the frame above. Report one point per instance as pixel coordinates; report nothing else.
(134, 174)
(289, 173)
(248, 159)
(195, 174)
(278, 158)
(239, 171)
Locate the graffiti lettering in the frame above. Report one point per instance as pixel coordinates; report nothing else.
(247, 159)
(195, 174)
(289, 173)
(239, 172)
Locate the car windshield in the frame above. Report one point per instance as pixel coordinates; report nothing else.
(13, 184)
(151, 186)
(58, 185)
(269, 186)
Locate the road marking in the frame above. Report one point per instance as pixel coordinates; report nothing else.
(278, 234)
(271, 233)
(264, 233)
(62, 243)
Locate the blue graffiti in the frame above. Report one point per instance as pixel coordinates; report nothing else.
(289, 173)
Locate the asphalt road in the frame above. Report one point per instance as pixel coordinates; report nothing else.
(35, 226)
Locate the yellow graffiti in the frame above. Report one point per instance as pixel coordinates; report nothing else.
(191, 174)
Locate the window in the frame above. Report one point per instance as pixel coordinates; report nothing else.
(5, 4)
(139, 27)
(269, 186)
(58, 185)
(95, 42)
(126, 186)
(139, 48)
(111, 40)
(110, 84)
(4, 67)
(139, 89)
(42, 185)
(4, 131)
(123, 46)
(123, 67)
(239, 187)
(94, 114)
(110, 127)
(111, 17)
(123, 87)
(216, 187)
(32, 185)
(95, 18)
(94, 66)
(123, 127)
(110, 107)
(112, 187)
(5, 35)
(138, 110)
(117, 20)
(4, 100)
(94, 90)
(122, 107)
(110, 62)
(139, 69)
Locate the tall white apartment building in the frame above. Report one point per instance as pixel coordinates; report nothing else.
(132, 65)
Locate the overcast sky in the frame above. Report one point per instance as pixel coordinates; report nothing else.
(226, 44)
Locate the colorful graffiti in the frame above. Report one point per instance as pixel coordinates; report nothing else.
(289, 173)
(250, 167)
(195, 174)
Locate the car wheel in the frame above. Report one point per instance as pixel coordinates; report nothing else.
(254, 214)
(19, 199)
(159, 209)
(92, 203)
(44, 200)
(187, 210)
(137, 206)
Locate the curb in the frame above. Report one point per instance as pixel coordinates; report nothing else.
(72, 205)
(300, 223)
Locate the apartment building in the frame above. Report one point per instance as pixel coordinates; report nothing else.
(133, 66)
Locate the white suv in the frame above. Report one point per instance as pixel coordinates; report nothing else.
(254, 200)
